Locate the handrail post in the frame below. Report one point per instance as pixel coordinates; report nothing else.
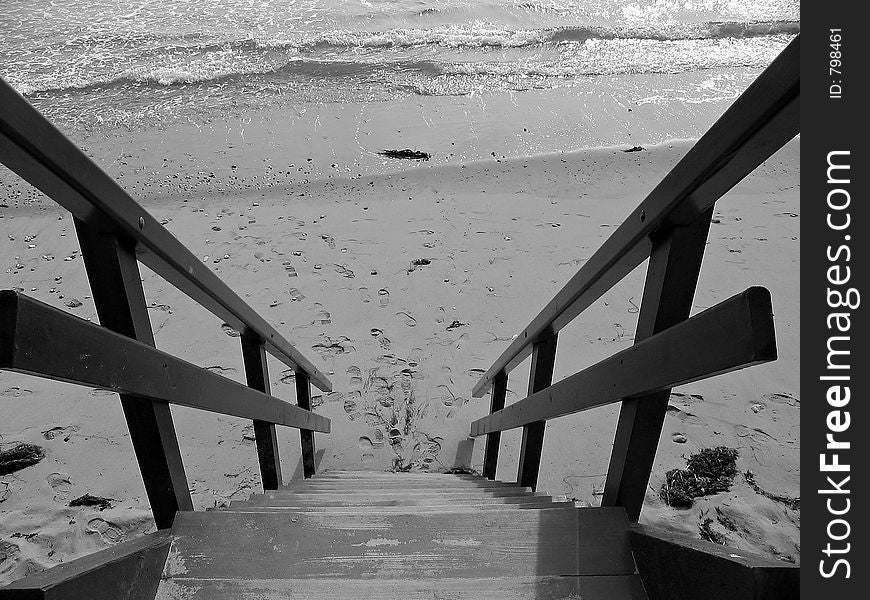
(113, 274)
(493, 440)
(541, 376)
(669, 290)
(306, 436)
(257, 376)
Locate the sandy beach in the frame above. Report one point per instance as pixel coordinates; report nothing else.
(404, 286)
(255, 133)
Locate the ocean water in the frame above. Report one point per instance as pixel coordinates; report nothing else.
(123, 62)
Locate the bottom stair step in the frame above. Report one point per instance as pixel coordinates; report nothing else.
(619, 587)
(412, 510)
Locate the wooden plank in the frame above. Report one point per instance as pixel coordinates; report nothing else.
(669, 290)
(733, 334)
(411, 508)
(113, 275)
(127, 571)
(759, 123)
(317, 483)
(418, 588)
(675, 567)
(505, 543)
(32, 147)
(540, 378)
(381, 501)
(306, 436)
(347, 495)
(605, 530)
(493, 440)
(34, 338)
(257, 376)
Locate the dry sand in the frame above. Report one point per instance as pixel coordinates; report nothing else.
(330, 262)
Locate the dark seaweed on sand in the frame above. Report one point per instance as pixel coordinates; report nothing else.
(707, 472)
(406, 153)
(87, 500)
(19, 456)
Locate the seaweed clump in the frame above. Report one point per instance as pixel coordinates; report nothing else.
(407, 153)
(707, 472)
(19, 456)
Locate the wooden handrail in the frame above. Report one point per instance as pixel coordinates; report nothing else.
(41, 340)
(759, 123)
(32, 147)
(733, 334)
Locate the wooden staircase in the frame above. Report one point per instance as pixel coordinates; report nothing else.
(346, 534)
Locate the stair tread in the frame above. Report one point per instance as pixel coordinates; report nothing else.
(482, 588)
(405, 509)
(260, 500)
(481, 492)
(229, 545)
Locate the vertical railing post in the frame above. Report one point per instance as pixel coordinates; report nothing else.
(257, 376)
(113, 274)
(306, 436)
(669, 290)
(493, 440)
(541, 376)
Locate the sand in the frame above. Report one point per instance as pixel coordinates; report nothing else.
(403, 281)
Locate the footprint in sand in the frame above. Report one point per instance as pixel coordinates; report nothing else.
(60, 432)
(295, 295)
(414, 357)
(343, 271)
(289, 268)
(383, 297)
(334, 397)
(448, 398)
(440, 314)
(15, 392)
(230, 331)
(365, 444)
(330, 241)
(364, 295)
(355, 375)
(409, 320)
(9, 557)
(782, 398)
(110, 532)
(60, 484)
(350, 407)
(322, 315)
(387, 359)
(333, 347)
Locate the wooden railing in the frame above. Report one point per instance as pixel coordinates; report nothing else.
(115, 233)
(669, 228)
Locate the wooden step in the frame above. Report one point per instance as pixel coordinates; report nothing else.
(619, 587)
(403, 509)
(271, 545)
(401, 484)
(407, 492)
(368, 500)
